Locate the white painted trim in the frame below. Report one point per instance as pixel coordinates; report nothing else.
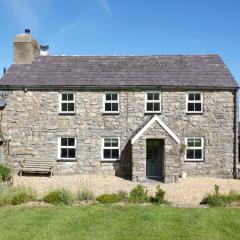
(66, 101)
(102, 149)
(111, 101)
(72, 147)
(194, 101)
(202, 148)
(161, 123)
(153, 101)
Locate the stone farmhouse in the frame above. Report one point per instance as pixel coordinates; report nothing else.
(137, 117)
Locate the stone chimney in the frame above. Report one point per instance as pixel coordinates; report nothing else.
(26, 48)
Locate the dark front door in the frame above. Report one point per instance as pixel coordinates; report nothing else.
(155, 159)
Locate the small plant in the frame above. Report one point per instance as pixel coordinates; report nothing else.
(221, 200)
(122, 194)
(5, 172)
(85, 195)
(59, 197)
(109, 198)
(159, 196)
(216, 189)
(139, 194)
(16, 195)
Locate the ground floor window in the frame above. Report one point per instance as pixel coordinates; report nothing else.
(67, 148)
(194, 149)
(110, 148)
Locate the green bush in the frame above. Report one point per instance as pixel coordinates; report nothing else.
(139, 194)
(59, 197)
(16, 195)
(109, 198)
(5, 172)
(159, 196)
(85, 195)
(221, 200)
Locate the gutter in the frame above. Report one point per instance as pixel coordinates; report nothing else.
(235, 132)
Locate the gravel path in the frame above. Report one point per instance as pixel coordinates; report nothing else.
(186, 193)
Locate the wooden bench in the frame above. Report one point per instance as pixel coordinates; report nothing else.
(36, 166)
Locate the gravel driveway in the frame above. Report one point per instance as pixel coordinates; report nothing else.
(186, 193)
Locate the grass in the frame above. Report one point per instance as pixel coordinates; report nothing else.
(119, 222)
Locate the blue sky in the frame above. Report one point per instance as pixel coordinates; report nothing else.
(123, 27)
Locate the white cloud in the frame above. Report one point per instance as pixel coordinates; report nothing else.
(23, 13)
(105, 6)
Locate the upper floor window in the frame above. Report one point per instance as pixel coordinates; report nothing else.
(194, 149)
(110, 148)
(194, 102)
(67, 102)
(111, 102)
(152, 102)
(67, 148)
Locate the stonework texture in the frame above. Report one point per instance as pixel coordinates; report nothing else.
(32, 124)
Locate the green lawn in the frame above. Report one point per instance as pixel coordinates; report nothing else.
(119, 222)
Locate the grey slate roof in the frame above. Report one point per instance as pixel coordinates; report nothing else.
(121, 71)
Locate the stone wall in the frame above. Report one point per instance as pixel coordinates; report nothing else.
(32, 124)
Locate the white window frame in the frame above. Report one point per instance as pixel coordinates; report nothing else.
(194, 101)
(69, 147)
(66, 101)
(153, 101)
(103, 147)
(187, 147)
(111, 101)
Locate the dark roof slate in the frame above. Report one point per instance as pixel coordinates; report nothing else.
(128, 71)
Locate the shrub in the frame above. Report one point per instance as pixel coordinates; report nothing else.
(159, 196)
(122, 194)
(59, 197)
(139, 194)
(16, 195)
(221, 200)
(109, 198)
(85, 195)
(5, 172)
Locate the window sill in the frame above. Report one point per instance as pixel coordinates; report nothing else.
(194, 113)
(110, 113)
(151, 113)
(109, 160)
(193, 160)
(67, 160)
(66, 113)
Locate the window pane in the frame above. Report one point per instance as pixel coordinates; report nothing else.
(198, 142)
(70, 107)
(108, 106)
(115, 153)
(71, 153)
(190, 154)
(63, 141)
(64, 107)
(149, 106)
(64, 96)
(108, 96)
(156, 96)
(64, 153)
(107, 142)
(150, 96)
(156, 106)
(114, 96)
(190, 96)
(114, 142)
(107, 153)
(198, 107)
(198, 96)
(70, 97)
(115, 107)
(71, 141)
(190, 143)
(198, 154)
(190, 107)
